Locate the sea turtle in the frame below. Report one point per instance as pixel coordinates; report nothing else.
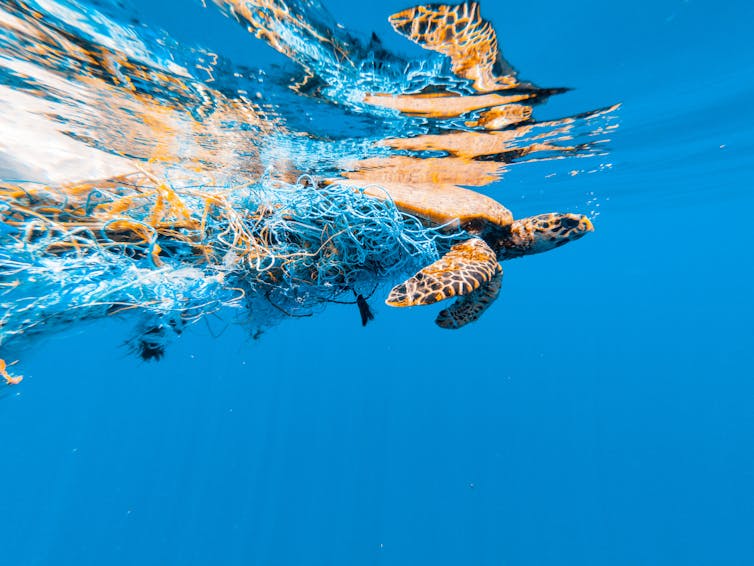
(428, 187)
(470, 270)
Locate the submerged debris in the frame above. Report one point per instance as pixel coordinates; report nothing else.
(175, 251)
(364, 310)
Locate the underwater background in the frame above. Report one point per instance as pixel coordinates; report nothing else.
(602, 411)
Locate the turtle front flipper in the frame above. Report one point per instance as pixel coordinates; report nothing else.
(467, 266)
(460, 32)
(469, 308)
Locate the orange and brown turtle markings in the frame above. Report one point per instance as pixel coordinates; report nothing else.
(469, 308)
(460, 33)
(438, 204)
(463, 269)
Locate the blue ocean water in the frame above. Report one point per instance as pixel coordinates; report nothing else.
(600, 413)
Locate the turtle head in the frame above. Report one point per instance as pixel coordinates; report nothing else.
(541, 233)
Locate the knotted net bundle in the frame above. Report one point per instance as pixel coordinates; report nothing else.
(177, 251)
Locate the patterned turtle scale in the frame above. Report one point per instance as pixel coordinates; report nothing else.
(470, 307)
(467, 266)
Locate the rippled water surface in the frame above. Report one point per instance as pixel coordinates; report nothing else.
(211, 197)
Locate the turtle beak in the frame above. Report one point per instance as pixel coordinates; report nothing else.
(586, 224)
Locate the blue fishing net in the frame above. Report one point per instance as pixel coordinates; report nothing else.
(88, 94)
(177, 252)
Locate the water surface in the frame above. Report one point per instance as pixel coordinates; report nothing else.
(599, 413)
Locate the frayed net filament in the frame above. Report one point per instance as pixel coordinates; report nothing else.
(166, 248)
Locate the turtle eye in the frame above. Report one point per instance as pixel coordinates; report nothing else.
(569, 223)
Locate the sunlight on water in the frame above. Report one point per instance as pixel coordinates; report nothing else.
(139, 175)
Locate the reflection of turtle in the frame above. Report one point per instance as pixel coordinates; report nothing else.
(460, 32)
(470, 270)
(428, 187)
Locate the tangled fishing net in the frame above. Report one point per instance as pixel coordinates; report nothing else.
(170, 245)
(176, 252)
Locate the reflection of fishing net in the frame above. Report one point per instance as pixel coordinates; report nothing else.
(180, 252)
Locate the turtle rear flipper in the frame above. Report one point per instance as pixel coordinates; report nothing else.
(469, 308)
(460, 33)
(467, 266)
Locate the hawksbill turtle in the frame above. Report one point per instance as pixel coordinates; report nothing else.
(428, 188)
(471, 269)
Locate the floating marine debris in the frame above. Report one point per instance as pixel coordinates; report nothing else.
(171, 185)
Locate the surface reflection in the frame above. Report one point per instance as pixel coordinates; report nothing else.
(140, 175)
